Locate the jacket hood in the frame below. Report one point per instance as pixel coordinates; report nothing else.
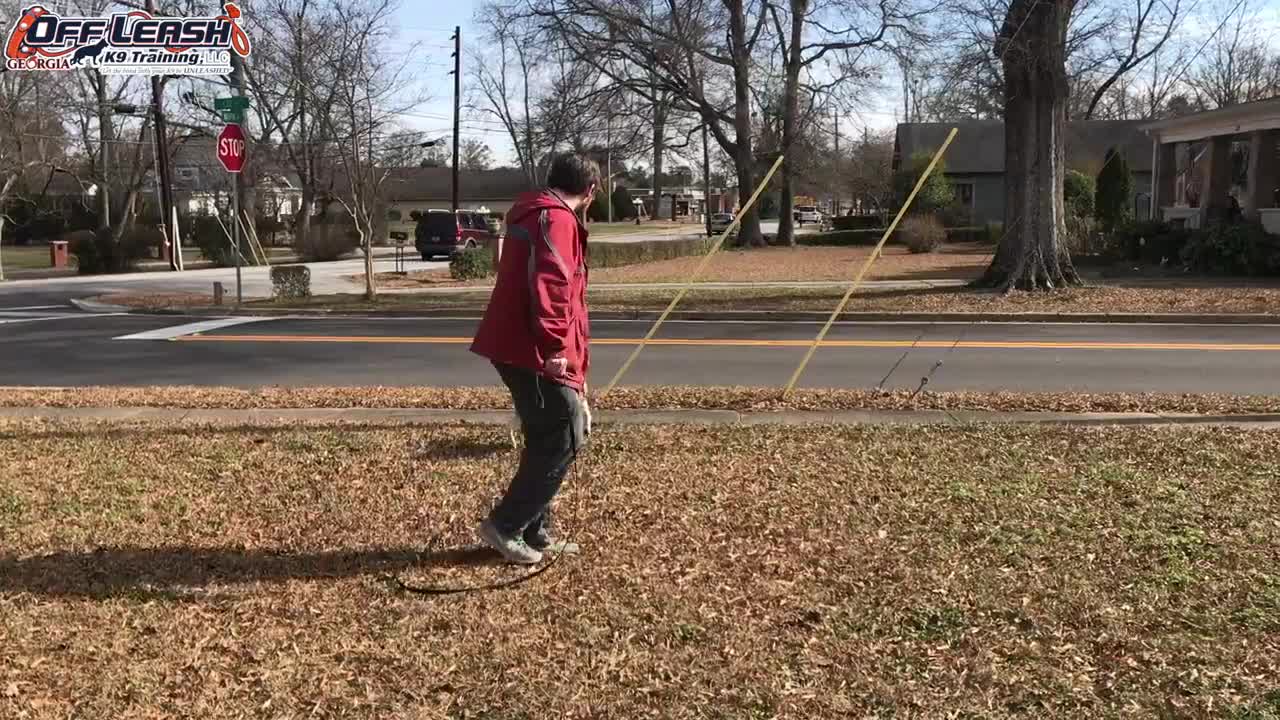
(536, 201)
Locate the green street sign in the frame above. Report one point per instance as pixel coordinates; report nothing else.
(232, 116)
(238, 102)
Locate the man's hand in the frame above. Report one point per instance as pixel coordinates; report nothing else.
(555, 367)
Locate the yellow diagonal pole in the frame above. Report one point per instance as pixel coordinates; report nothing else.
(697, 271)
(844, 301)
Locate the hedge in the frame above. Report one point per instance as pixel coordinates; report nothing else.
(290, 282)
(856, 222)
(988, 234)
(471, 264)
(616, 254)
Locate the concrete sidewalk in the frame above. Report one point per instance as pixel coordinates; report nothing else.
(870, 285)
(727, 418)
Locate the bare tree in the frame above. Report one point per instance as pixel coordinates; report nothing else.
(816, 31)
(476, 155)
(1134, 42)
(32, 143)
(1238, 67)
(870, 176)
(369, 84)
(692, 56)
(543, 95)
(293, 93)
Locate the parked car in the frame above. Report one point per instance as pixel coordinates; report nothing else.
(720, 222)
(806, 214)
(440, 232)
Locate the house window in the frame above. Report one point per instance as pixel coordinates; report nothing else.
(394, 215)
(964, 194)
(187, 173)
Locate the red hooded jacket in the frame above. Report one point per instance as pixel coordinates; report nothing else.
(538, 309)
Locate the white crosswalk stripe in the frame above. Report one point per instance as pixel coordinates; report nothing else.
(43, 313)
(177, 331)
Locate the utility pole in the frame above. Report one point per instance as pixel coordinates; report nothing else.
(104, 139)
(239, 83)
(835, 207)
(457, 106)
(162, 165)
(608, 161)
(706, 180)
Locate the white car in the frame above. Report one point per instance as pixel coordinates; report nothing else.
(806, 214)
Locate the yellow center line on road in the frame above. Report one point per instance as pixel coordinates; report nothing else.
(732, 342)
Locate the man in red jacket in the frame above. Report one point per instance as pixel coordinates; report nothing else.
(535, 332)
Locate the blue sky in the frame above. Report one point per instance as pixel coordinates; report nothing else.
(430, 24)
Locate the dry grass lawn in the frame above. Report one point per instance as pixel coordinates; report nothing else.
(637, 398)
(773, 264)
(776, 264)
(1237, 299)
(1165, 297)
(807, 573)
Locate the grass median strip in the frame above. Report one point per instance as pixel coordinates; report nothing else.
(754, 343)
(637, 398)
(810, 572)
(1168, 298)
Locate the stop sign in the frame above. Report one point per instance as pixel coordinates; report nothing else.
(231, 148)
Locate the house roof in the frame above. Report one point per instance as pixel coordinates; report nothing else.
(1245, 117)
(979, 145)
(435, 184)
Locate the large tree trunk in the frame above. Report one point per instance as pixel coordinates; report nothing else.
(370, 280)
(302, 227)
(744, 159)
(1033, 253)
(659, 146)
(790, 108)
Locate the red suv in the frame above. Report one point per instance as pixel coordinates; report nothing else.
(440, 232)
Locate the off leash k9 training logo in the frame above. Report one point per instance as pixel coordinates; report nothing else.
(130, 43)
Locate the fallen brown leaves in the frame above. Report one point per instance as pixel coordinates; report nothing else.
(155, 571)
(778, 264)
(1098, 299)
(156, 301)
(1172, 299)
(636, 398)
(773, 264)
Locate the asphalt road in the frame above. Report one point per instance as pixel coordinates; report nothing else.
(58, 346)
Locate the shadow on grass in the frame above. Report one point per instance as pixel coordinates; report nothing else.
(183, 573)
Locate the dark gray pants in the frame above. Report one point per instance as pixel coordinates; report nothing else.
(552, 421)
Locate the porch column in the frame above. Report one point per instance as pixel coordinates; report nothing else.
(1263, 178)
(1164, 190)
(1217, 179)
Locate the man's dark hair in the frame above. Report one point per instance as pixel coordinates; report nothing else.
(573, 173)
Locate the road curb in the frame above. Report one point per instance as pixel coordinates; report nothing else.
(720, 418)
(93, 306)
(730, 315)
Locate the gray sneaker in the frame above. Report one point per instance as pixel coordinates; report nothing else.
(542, 541)
(513, 549)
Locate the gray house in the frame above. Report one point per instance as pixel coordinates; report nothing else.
(975, 160)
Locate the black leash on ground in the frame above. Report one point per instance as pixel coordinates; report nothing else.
(440, 590)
